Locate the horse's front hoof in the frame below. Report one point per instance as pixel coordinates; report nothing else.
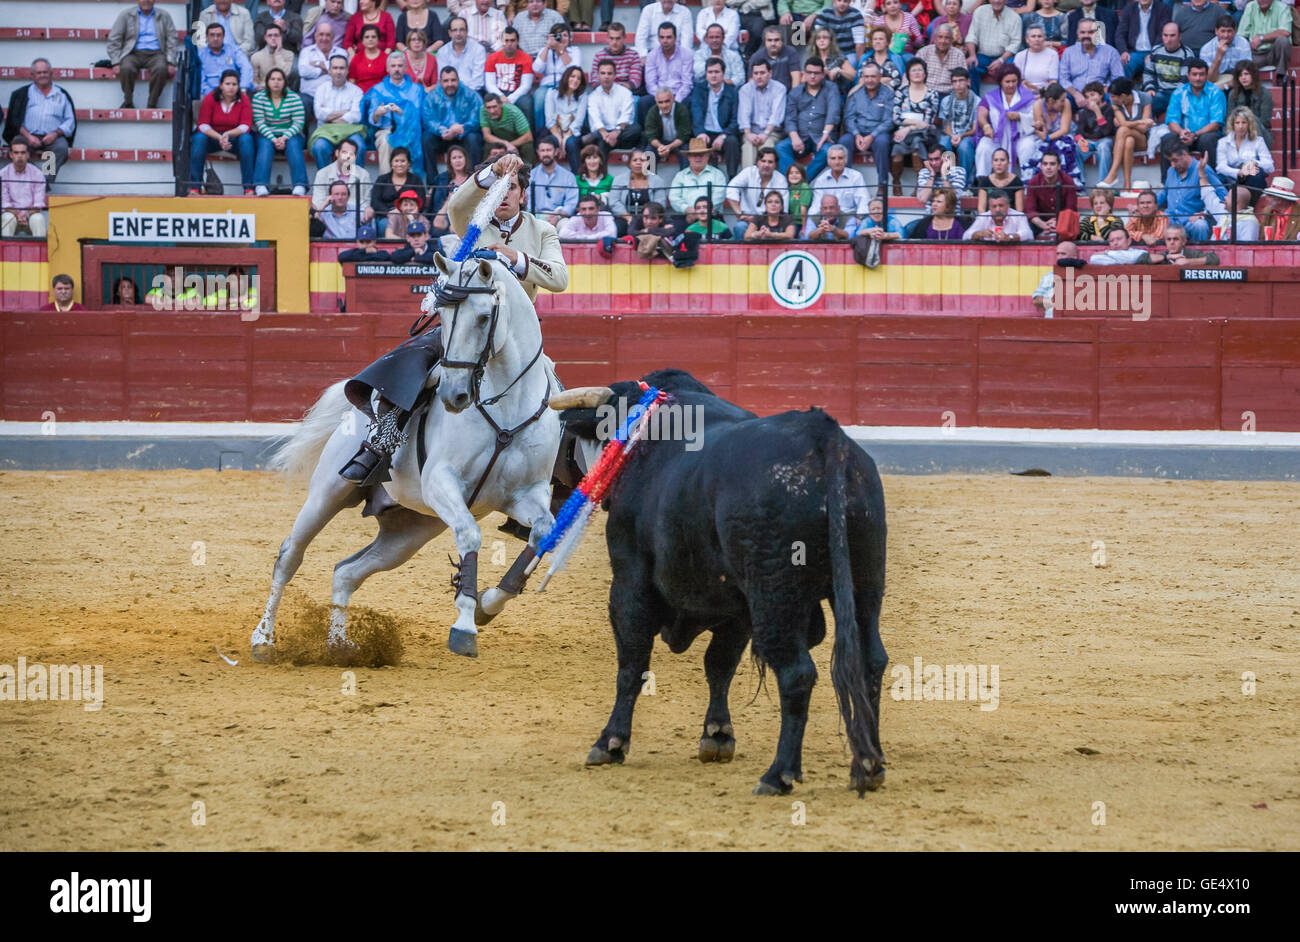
(343, 652)
(264, 653)
(464, 643)
(491, 605)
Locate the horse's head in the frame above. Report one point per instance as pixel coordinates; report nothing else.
(471, 296)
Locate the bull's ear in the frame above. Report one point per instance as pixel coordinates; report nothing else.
(485, 270)
(441, 263)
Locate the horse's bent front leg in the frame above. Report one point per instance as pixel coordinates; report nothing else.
(443, 492)
(531, 507)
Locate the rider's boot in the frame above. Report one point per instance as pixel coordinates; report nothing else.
(371, 462)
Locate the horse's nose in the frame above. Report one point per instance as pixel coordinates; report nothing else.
(461, 401)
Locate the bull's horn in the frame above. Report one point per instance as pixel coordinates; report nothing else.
(583, 397)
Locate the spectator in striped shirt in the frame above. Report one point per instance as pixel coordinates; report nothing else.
(628, 64)
(848, 25)
(279, 119)
(897, 20)
(941, 169)
(1165, 69)
(486, 24)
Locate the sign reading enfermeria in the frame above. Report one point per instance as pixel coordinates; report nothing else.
(182, 227)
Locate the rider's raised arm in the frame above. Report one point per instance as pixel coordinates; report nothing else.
(465, 199)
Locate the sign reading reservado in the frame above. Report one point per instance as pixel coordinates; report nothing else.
(1212, 274)
(225, 227)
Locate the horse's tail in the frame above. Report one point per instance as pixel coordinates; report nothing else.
(298, 454)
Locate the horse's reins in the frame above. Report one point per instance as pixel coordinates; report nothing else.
(446, 294)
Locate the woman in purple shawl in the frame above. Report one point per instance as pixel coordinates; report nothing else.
(1001, 112)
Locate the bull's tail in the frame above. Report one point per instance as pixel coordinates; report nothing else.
(848, 659)
(298, 454)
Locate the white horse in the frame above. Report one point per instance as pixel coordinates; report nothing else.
(490, 445)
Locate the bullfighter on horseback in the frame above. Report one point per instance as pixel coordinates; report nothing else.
(527, 243)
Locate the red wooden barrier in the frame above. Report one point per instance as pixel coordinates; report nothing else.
(987, 371)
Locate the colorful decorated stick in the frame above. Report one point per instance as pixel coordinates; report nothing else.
(482, 216)
(571, 522)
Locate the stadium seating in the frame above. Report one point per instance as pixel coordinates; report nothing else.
(131, 151)
(116, 151)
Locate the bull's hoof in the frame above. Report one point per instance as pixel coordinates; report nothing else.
(264, 653)
(767, 788)
(718, 744)
(863, 781)
(612, 753)
(464, 643)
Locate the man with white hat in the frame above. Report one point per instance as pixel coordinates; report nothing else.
(1277, 208)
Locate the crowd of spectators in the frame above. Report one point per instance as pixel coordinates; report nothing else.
(995, 106)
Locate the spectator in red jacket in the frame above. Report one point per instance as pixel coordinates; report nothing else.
(1047, 194)
(63, 288)
(225, 124)
(369, 14)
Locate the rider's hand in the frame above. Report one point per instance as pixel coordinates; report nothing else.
(506, 252)
(507, 165)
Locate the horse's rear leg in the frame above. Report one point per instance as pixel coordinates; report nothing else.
(324, 502)
(401, 534)
(533, 509)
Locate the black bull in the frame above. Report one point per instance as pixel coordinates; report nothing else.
(744, 537)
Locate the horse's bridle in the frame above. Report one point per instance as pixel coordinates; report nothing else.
(449, 294)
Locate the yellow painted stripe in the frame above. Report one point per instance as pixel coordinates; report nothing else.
(25, 276)
(325, 277)
(994, 280)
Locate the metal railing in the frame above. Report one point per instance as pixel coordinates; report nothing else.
(1224, 219)
(182, 118)
(1290, 122)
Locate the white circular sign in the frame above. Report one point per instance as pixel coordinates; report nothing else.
(796, 279)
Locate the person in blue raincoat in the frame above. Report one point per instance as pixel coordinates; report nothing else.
(391, 110)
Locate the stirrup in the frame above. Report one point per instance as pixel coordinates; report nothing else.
(368, 466)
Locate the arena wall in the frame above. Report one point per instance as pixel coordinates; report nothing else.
(1010, 372)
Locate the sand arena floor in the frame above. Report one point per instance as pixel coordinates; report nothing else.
(1119, 684)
